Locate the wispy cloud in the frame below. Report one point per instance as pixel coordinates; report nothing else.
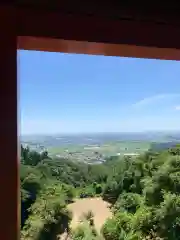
(177, 108)
(154, 99)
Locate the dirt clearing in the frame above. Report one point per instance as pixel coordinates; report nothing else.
(99, 208)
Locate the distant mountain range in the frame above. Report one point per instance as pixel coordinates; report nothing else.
(163, 145)
(98, 138)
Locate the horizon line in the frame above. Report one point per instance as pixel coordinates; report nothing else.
(110, 132)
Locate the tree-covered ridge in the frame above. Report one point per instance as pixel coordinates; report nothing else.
(148, 206)
(144, 192)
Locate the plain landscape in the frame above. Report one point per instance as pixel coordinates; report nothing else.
(94, 187)
(95, 148)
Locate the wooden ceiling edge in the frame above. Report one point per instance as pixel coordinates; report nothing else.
(106, 49)
(41, 23)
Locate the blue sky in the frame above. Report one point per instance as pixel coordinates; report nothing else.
(72, 93)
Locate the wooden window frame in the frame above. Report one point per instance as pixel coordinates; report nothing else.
(34, 29)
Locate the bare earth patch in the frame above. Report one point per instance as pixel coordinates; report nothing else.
(99, 208)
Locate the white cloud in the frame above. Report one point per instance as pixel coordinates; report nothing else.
(154, 99)
(177, 108)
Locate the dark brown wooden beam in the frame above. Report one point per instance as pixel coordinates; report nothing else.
(69, 46)
(9, 225)
(41, 23)
(154, 11)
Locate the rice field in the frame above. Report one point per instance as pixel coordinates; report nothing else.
(95, 152)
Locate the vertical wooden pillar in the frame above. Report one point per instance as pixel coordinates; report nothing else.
(8, 126)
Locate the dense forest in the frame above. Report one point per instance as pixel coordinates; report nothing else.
(144, 193)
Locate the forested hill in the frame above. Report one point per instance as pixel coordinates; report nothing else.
(144, 193)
